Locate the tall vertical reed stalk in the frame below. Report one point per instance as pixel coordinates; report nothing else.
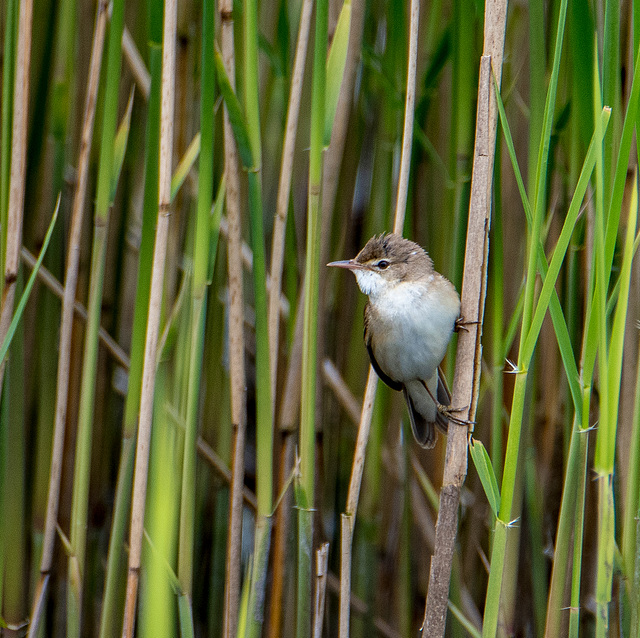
(276, 269)
(153, 320)
(12, 451)
(264, 411)
(49, 316)
(284, 190)
(112, 610)
(13, 423)
(71, 281)
(236, 341)
(305, 490)
(610, 353)
(504, 521)
(82, 466)
(198, 301)
(20, 111)
(465, 386)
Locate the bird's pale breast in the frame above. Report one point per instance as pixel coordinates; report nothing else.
(410, 328)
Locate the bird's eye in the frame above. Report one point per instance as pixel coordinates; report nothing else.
(382, 264)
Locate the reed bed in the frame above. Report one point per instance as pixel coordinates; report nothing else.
(192, 441)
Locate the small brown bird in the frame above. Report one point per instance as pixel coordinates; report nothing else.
(408, 322)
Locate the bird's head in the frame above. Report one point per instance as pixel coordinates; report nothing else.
(386, 261)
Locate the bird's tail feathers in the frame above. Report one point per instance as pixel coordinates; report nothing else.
(424, 431)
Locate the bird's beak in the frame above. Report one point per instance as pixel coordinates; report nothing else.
(349, 264)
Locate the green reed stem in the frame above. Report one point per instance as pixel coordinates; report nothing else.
(564, 533)
(264, 420)
(631, 502)
(158, 609)
(537, 79)
(140, 479)
(264, 417)
(498, 353)
(111, 619)
(79, 507)
(462, 128)
(578, 531)
(6, 114)
(610, 354)
(198, 300)
(49, 314)
(528, 334)
(305, 491)
(605, 445)
(14, 485)
(611, 89)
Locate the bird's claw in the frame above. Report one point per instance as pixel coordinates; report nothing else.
(461, 324)
(447, 411)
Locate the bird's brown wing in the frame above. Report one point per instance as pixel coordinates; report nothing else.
(394, 385)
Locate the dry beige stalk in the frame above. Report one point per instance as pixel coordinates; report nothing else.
(407, 132)
(236, 341)
(66, 326)
(284, 189)
(136, 63)
(141, 470)
(45, 276)
(18, 170)
(322, 570)
(349, 516)
(468, 357)
(289, 413)
(343, 394)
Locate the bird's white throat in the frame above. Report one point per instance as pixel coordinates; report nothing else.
(369, 282)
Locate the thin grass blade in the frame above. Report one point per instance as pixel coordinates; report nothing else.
(336, 61)
(17, 315)
(483, 466)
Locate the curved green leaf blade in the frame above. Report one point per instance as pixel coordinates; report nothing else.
(214, 227)
(27, 289)
(184, 166)
(236, 116)
(120, 147)
(485, 471)
(336, 61)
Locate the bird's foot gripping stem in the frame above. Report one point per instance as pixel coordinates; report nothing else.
(447, 411)
(462, 324)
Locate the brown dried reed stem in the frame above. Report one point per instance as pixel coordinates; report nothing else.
(68, 307)
(141, 470)
(322, 570)
(468, 357)
(236, 341)
(289, 413)
(136, 63)
(274, 286)
(18, 170)
(45, 276)
(284, 189)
